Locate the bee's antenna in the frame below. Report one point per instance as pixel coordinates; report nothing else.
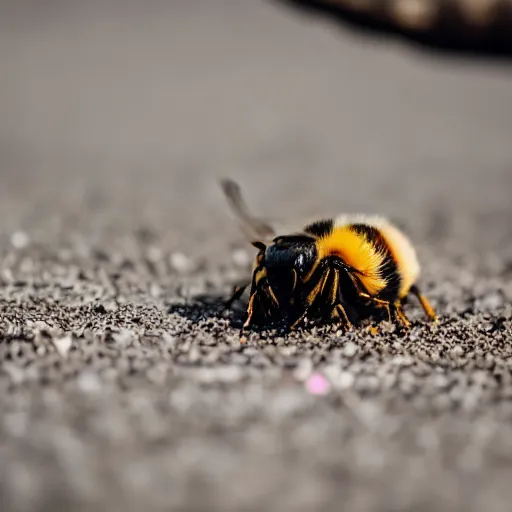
(259, 245)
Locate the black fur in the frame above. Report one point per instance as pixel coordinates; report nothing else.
(389, 268)
(320, 228)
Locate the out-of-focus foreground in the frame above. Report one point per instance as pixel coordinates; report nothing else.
(119, 391)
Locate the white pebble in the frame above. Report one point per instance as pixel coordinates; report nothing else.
(303, 369)
(457, 351)
(241, 258)
(332, 372)
(20, 239)
(402, 361)
(345, 380)
(39, 325)
(155, 291)
(350, 349)
(89, 382)
(179, 262)
(63, 344)
(123, 337)
(168, 339)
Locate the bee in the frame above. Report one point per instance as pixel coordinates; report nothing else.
(340, 269)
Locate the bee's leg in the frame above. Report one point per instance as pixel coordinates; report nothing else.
(400, 315)
(236, 294)
(312, 296)
(250, 310)
(252, 298)
(295, 279)
(395, 311)
(267, 290)
(379, 302)
(267, 299)
(256, 302)
(369, 298)
(338, 311)
(425, 304)
(299, 320)
(318, 288)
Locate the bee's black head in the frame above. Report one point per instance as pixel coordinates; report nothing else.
(286, 261)
(297, 252)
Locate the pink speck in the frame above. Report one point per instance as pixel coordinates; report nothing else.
(317, 384)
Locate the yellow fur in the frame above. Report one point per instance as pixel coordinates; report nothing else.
(355, 251)
(404, 255)
(399, 245)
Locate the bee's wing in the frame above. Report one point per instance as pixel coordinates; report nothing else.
(255, 228)
(259, 229)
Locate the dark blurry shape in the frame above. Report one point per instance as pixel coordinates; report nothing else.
(467, 27)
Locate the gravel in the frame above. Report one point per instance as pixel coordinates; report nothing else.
(123, 382)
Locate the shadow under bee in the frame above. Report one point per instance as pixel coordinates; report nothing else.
(211, 306)
(214, 306)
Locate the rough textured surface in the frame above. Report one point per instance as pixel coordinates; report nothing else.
(119, 389)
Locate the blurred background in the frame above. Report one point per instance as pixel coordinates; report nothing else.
(132, 110)
(116, 121)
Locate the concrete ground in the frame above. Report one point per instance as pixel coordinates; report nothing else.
(119, 388)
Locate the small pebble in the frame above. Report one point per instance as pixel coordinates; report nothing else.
(346, 380)
(20, 240)
(63, 344)
(180, 262)
(155, 291)
(303, 369)
(241, 258)
(350, 349)
(123, 338)
(457, 351)
(168, 340)
(89, 382)
(194, 355)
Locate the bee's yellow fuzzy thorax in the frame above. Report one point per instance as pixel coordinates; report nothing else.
(357, 252)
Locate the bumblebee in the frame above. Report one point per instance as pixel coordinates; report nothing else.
(342, 269)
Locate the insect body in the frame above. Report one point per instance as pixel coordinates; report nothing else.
(340, 269)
